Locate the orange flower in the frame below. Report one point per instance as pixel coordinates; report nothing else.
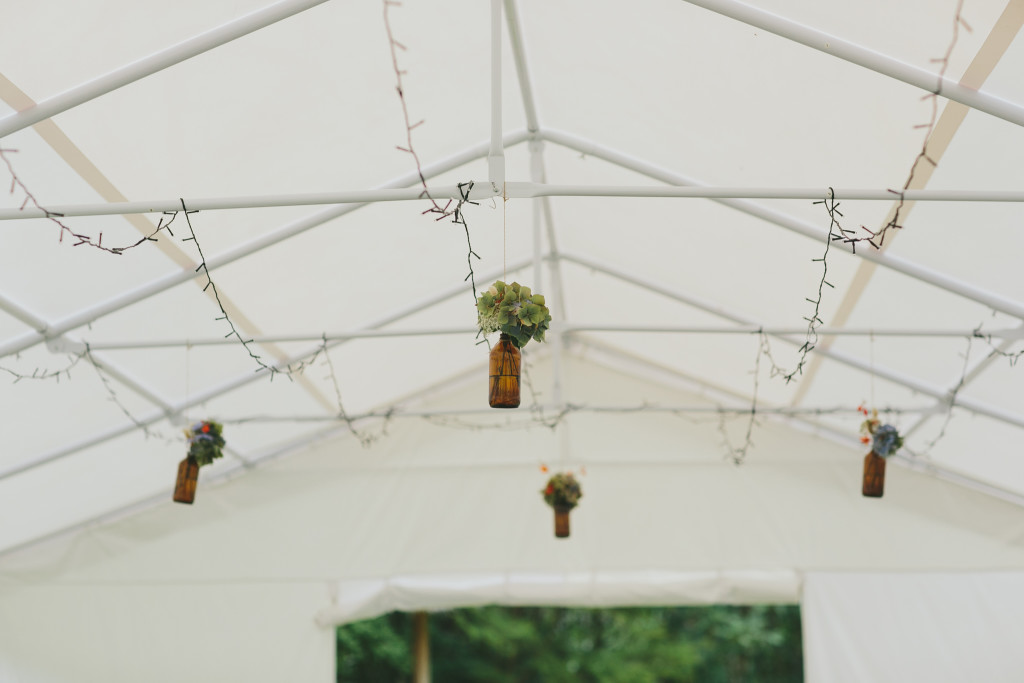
(583, 470)
(544, 469)
(865, 439)
(206, 428)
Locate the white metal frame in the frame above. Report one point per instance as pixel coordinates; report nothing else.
(537, 189)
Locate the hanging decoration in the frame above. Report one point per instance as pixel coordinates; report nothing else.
(520, 315)
(563, 493)
(205, 442)
(885, 441)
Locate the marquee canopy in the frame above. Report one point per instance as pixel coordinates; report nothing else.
(692, 185)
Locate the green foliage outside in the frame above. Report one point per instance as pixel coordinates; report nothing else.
(715, 644)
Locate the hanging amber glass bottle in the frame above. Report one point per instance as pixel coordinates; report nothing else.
(562, 521)
(504, 374)
(874, 475)
(188, 476)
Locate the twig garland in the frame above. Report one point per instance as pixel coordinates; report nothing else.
(365, 438)
(292, 368)
(738, 454)
(439, 210)
(877, 238)
(113, 397)
(814, 321)
(951, 399)
(55, 218)
(994, 350)
(44, 373)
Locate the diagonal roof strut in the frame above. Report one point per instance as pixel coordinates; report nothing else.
(939, 139)
(989, 299)
(869, 59)
(158, 61)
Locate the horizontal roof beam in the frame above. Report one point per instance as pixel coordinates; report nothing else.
(568, 328)
(570, 407)
(869, 59)
(513, 190)
(158, 61)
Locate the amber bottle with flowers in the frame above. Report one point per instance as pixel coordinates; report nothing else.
(885, 441)
(562, 493)
(205, 441)
(520, 315)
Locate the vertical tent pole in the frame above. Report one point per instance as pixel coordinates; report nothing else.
(537, 176)
(421, 648)
(496, 155)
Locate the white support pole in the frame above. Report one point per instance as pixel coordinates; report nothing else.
(907, 381)
(900, 265)
(515, 36)
(478, 191)
(281, 338)
(514, 190)
(969, 376)
(19, 312)
(1011, 335)
(496, 155)
(161, 284)
(555, 408)
(236, 383)
(520, 190)
(536, 174)
(861, 56)
(154, 63)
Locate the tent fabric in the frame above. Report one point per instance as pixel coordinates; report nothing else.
(122, 631)
(673, 317)
(437, 516)
(631, 117)
(898, 627)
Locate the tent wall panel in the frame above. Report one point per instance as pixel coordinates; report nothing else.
(889, 628)
(96, 633)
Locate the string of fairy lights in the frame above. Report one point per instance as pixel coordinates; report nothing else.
(537, 413)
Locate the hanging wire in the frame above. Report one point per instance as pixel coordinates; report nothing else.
(504, 234)
(871, 359)
(188, 369)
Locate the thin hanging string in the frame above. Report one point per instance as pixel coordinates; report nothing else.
(188, 365)
(871, 356)
(504, 235)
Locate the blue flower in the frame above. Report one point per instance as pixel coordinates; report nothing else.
(887, 441)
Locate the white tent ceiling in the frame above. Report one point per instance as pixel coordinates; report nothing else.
(289, 115)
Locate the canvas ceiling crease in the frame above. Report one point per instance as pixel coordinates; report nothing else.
(748, 222)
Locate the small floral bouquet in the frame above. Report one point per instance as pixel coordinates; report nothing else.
(563, 491)
(884, 439)
(205, 441)
(513, 310)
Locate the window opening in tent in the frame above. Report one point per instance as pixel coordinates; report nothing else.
(555, 644)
